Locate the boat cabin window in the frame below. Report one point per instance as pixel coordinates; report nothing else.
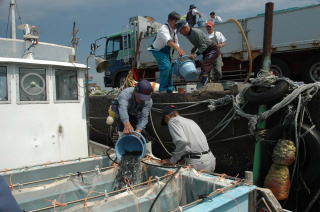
(66, 85)
(32, 84)
(3, 84)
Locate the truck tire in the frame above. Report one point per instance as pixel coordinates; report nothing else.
(264, 95)
(311, 70)
(120, 79)
(278, 67)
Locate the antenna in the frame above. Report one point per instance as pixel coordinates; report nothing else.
(75, 39)
(13, 18)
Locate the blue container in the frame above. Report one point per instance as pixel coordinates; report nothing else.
(201, 23)
(185, 68)
(131, 143)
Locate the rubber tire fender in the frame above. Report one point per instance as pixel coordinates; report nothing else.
(263, 95)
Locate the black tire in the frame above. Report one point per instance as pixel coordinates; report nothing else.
(312, 70)
(278, 67)
(120, 79)
(263, 95)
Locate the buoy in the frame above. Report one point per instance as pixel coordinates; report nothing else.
(111, 116)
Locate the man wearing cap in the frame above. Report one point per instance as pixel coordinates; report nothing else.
(133, 106)
(215, 18)
(191, 144)
(192, 15)
(161, 48)
(218, 38)
(202, 45)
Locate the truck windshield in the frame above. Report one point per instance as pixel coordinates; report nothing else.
(113, 45)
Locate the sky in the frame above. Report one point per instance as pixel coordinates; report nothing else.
(97, 18)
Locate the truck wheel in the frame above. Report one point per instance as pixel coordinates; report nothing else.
(264, 95)
(278, 67)
(312, 70)
(121, 78)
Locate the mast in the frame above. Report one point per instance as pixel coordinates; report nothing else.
(75, 39)
(13, 18)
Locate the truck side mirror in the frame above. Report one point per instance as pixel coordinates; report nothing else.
(93, 48)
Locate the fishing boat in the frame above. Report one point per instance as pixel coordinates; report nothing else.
(49, 164)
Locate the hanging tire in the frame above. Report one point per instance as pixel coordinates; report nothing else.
(309, 149)
(265, 95)
(278, 67)
(311, 70)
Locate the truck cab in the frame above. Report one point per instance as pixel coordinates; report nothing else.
(118, 52)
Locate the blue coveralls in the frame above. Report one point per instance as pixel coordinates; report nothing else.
(165, 67)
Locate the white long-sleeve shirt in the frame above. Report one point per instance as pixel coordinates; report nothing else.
(187, 137)
(220, 37)
(217, 19)
(164, 34)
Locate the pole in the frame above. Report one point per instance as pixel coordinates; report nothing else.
(13, 18)
(87, 97)
(267, 50)
(267, 37)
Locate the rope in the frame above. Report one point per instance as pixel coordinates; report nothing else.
(55, 178)
(104, 194)
(253, 119)
(214, 193)
(129, 82)
(155, 132)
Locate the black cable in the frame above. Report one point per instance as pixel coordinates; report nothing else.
(171, 178)
(108, 155)
(312, 201)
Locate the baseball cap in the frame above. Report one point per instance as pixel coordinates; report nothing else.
(174, 16)
(210, 24)
(192, 6)
(180, 24)
(143, 90)
(166, 111)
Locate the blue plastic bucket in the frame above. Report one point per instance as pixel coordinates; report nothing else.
(131, 143)
(201, 23)
(185, 68)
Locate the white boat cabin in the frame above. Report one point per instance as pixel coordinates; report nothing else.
(42, 104)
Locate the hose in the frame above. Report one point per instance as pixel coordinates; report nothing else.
(158, 195)
(247, 45)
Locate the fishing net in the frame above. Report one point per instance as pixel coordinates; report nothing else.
(96, 190)
(185, 187)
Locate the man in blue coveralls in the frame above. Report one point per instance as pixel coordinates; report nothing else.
(165, 41)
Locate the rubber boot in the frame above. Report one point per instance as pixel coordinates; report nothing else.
(149, 151)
